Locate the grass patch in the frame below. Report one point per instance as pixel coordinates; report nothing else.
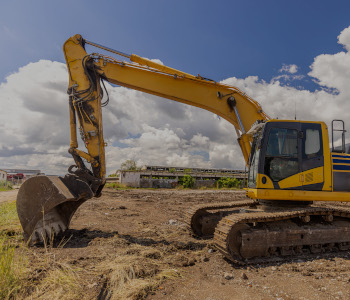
(12, 269)
(5, 186)
(118, 186)
(9, 222)
(12, 261)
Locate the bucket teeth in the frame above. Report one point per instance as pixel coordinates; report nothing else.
(49, 232)
(55, 228)
(37, 236)
(61, 227)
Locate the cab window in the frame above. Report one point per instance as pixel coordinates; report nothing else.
(283, 142)
(312, 141)
(281, 158)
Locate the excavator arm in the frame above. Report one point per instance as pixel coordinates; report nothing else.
(57, 198)
(86, 71)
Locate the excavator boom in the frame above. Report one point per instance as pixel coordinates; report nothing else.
(46, 204)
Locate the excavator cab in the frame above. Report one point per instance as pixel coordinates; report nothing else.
(290, 155)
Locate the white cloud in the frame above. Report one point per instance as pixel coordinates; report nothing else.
(344, 38)
(158, 61)
(137, 126)
(35, 131)
(200, 140)
(292, 69)
(287, 78)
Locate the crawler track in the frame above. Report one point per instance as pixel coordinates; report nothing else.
(262, 237)
(202, 219)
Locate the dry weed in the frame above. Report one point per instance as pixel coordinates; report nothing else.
(30, 273)
(60, 281)
(136, 271)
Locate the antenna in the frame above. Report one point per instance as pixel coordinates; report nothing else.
(295, 109)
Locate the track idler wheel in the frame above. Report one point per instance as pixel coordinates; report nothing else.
(46, 204)
(234, 241)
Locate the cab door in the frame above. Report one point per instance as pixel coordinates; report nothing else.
(312, 165)
(282, 161)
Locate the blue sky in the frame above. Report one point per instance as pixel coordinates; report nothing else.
(242, 43)
(216, 39)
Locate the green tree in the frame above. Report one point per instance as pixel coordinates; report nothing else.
(188, 181)
(129, 165)
(228, 182)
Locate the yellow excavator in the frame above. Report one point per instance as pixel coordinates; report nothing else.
(290, 164)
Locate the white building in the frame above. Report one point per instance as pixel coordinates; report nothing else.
(3, 175)
(170, 177)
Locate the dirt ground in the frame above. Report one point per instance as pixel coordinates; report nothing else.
(144, 231)
(8, 195)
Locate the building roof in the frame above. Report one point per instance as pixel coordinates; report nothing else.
(22, 171)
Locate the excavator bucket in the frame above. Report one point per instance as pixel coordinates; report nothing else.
(46, 204)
